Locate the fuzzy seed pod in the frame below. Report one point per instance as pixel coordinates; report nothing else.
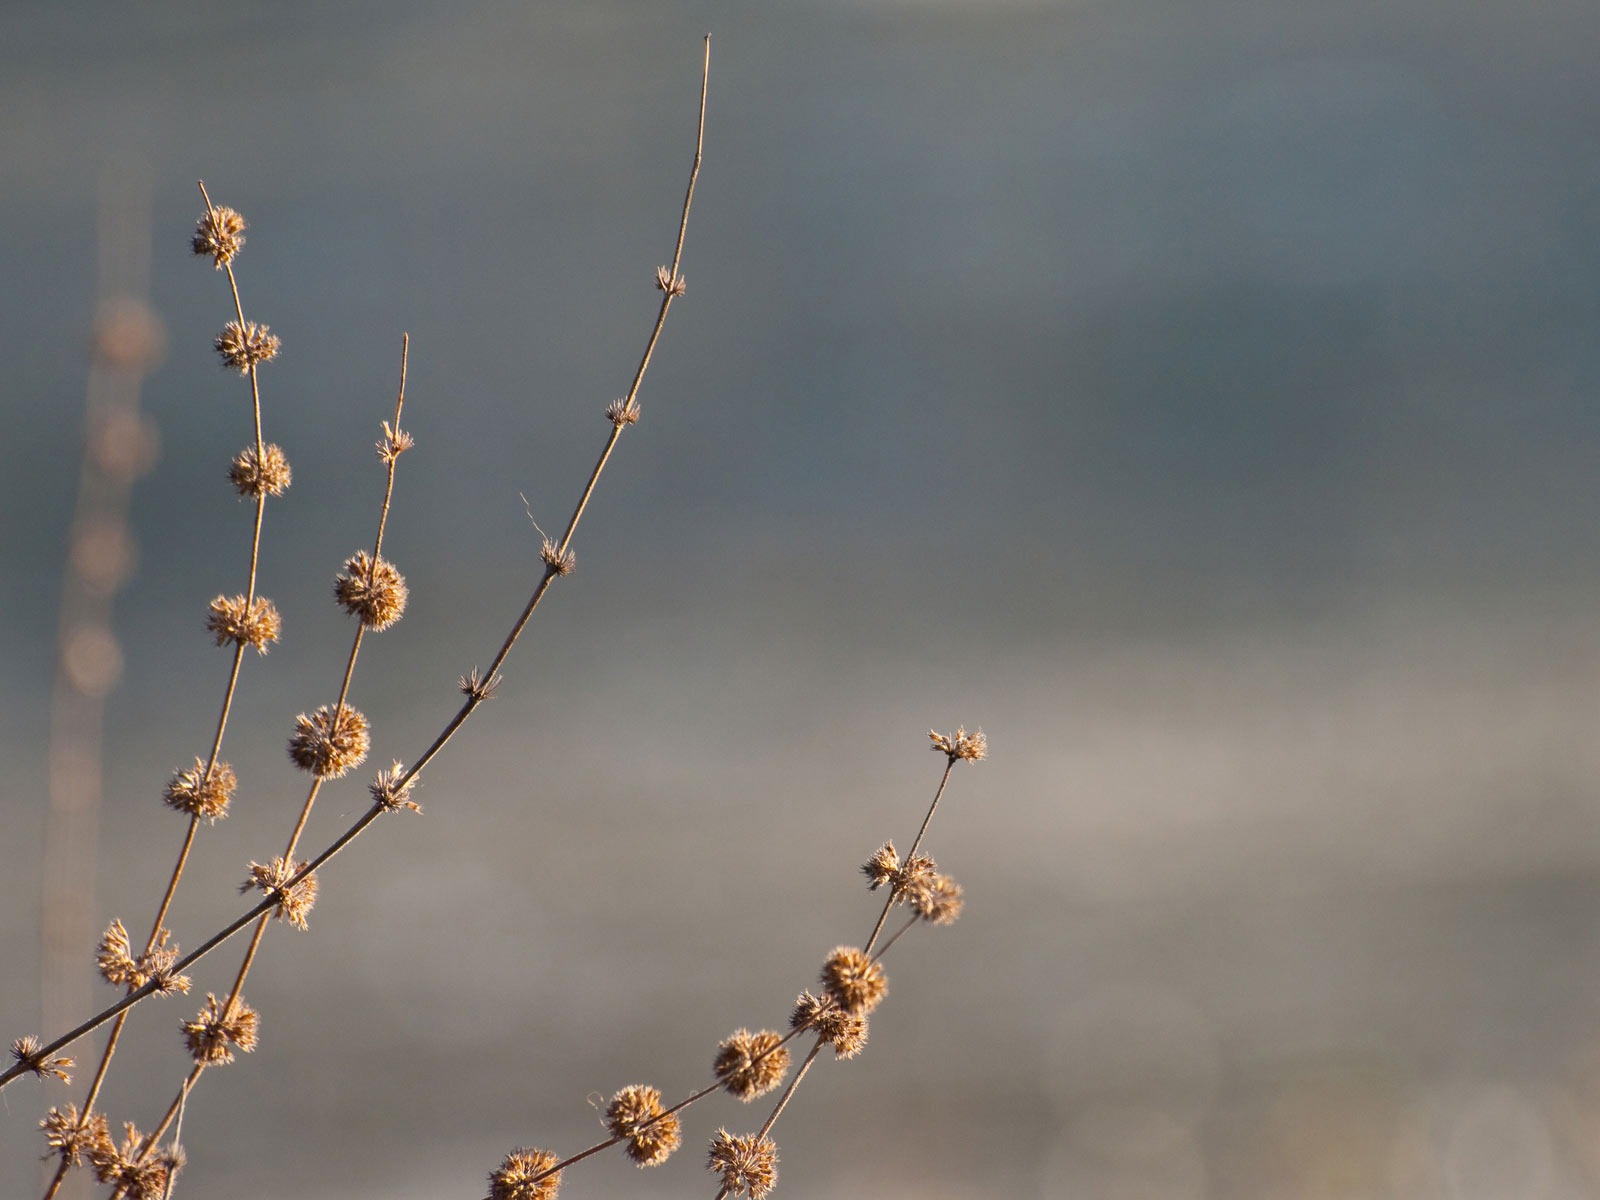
(622, 411)
(751, 1064)
(389, 793)
(219, 233)
(120, 968)
(373, 591)
(75, 1138)
(561, 562)
(266, 474)
(845, 1031)
(973, 747)
(133, 1173)
(202, 794)
(244, 346)
(26, 1050)
(214, 1033)
(255, 623)
(938, 901)
(295, 903)
(748, 1165)
(635, 1113)
(329, 748)
(857, 982)
(521, 1176)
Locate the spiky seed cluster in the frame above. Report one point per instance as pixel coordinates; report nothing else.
(27, 1051)
(558, 560)
(672, 285)
(214, 1032)
(635, 1113)
(389, 793)
(371, 590)
(857, 982)
(327, 747)
(938, 901)
(219, 233)
(473, 684)
(622, 411)
(973, 747)
(134, 1173)
(845, 1031)
(521, 1176)
(748, 1165)
(202, 793)
(751, 1064)
(396, 441)
(881, 867)
(252, 623)
(265, 474)
(120, 968)
(245, 346)
(294, 903)
(76, 1138)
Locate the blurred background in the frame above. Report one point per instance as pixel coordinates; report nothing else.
(1198, 396)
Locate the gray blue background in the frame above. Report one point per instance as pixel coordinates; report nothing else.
(1199, 395)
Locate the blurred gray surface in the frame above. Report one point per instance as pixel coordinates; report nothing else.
(1199, 397)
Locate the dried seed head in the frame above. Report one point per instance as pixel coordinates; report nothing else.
(622, 411)
(938, 901)
(26, 1050)
(881, 867)
(916, 873)
(130, 1168)
(219, 233)
(266, 474)
(75, 1138)
(854, 980)
(295, 902)
(521, 1176)
(120, 968)
(214, 1033)
(635, 1113)
(747, 1165)
(672, 285)
(326, 747)
(973, 747)
(254, 623)
(388, 792)
(202, 793)
(371, 590)
(560, 561)
(476, 686)
(396, 441)
(751, 1064)
(846, 1032)
(245, 346)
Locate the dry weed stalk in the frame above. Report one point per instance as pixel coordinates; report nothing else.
(332, 741)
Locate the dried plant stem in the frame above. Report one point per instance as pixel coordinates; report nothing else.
(477, 694)
(910, 854)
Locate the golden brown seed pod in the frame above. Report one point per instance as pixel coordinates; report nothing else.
(973, 747)
(294, 903)
(635, 1113)
(846, 1032)
(748, 1165)
(622, 411)
(254, 623)
(388, 792)
(201, 793)
(751, 1064)
(881, 867)
(27, 1051)
(857, 982)
(265, 474)
(938, 901)
(76, 1138)
(128, 1169)
(214, 1032)
(672, 285)
(373, 591)
(244, 346)
(219, 233)
(521, 1176)
(120, 968)
(396, 441)
(913, 875)
(329, 748)
(560, 561)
